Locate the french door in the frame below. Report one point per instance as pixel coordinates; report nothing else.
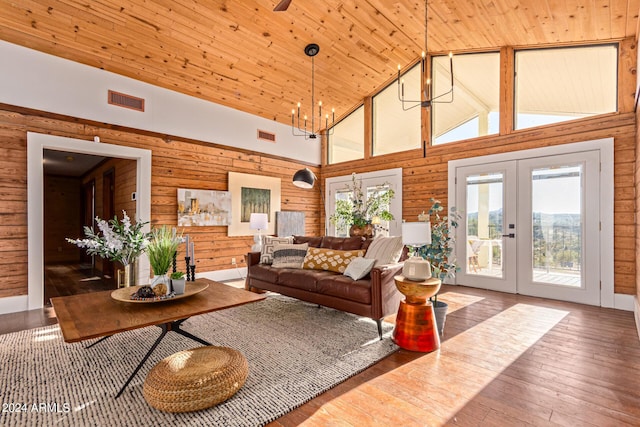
(532, 226)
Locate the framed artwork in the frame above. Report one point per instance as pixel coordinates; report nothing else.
(289, 223)
(203, 207)
(252, 194)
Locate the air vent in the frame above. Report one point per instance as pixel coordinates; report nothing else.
(266, 136)
(126, 101)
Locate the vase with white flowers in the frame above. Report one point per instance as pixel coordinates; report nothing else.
(123, 241)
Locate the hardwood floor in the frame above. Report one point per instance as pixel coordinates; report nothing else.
(505, 360)
(73, 279)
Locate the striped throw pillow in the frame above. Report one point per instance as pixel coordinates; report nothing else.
(385, 250)
(289, 255)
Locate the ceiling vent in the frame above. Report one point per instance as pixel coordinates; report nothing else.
(126, 101)
(266, 136)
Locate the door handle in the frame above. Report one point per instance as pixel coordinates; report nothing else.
(510, 235)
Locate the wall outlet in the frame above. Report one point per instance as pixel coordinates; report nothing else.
(233, 261)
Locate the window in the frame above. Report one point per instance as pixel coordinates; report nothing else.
(559, 84)
(347, 140)
(372, 182)
(395, 129)
(476, 97)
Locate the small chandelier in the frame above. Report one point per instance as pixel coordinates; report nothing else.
(427, 98)
(311, 50)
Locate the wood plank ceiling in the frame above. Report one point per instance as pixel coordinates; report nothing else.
(243, 55)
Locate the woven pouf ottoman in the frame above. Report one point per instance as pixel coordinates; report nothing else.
(195, 379)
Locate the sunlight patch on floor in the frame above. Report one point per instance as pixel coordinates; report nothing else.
(465, 364)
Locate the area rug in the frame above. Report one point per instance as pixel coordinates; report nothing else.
(295, 352)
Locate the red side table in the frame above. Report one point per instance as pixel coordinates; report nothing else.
(416, 328)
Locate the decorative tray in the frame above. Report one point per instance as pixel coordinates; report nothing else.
(124, 294)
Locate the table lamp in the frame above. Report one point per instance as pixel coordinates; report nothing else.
(258, 221)
(415, 235)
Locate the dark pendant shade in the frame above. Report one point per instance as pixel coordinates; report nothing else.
(304, 178)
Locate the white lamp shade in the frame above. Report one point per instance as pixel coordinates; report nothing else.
(258, 221)
(416, 233)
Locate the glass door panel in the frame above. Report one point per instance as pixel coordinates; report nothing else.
(556, 199)
(484, 224)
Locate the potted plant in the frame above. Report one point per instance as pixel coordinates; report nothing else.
(440, 251)
(178, 282)
(121, 241)
(163, 244)
(357, 213)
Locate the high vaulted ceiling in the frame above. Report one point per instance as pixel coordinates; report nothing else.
(242, 54)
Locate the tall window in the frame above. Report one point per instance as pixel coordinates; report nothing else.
(475, 110)
(394, 129)
(347, 140)
(559, 84)
(338, 191)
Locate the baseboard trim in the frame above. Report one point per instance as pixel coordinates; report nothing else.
(221, 275)
(14, 304)
(623, 302)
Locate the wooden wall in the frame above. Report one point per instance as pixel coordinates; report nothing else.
(175, 164)
(425, 176)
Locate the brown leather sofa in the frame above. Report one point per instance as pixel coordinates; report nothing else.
(374, 296)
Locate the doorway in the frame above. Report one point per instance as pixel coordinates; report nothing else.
(36, 144)
(532, 224)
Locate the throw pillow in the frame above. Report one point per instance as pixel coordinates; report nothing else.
(359, 267)
(385, 250)
(289, 255)
(329, 259)
(268, 245)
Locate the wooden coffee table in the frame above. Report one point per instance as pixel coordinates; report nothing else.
(98, 315)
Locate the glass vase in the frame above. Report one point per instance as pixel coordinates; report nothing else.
(127, 276)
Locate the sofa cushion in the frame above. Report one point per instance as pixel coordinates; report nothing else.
(264, 273)
(346, 288)
(313, 241)
(359, 268)
(302, 279)
(385, 250)
(268, 245)
(342, 243)
(289, 255)
(329, 259)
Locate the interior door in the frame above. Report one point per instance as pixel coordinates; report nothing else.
(486, 236)
(108, 212)
(88, 215)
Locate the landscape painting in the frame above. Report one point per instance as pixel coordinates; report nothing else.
(252, 194)
(203, 208)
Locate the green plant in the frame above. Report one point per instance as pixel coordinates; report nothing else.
(162, 245)
(177, 275)
(440, 251)
(358, 210)
(117, 240)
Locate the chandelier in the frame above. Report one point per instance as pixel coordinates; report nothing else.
(427, 98)
(297, 129)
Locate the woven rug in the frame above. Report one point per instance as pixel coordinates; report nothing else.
(295, 352)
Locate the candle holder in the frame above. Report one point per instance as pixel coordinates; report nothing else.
(186, 260)
(175, 261)
(193, 272)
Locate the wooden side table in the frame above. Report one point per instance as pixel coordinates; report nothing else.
(416, 328)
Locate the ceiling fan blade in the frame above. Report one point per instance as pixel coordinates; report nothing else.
(282, 6)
